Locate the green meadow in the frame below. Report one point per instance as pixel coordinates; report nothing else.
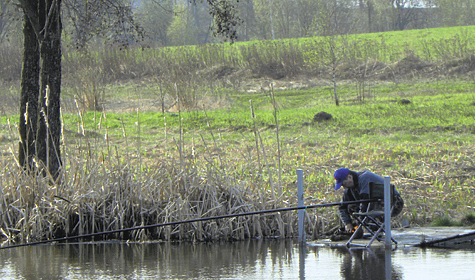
(220, 148)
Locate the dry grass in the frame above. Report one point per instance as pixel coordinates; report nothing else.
(103, 190)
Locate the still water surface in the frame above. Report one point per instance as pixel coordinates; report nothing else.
(255, 259)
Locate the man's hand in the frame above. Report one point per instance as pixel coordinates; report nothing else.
(349, 227)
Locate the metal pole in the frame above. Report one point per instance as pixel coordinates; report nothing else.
(301, 213)
(387, 210)
(302, 254)
(388, 264)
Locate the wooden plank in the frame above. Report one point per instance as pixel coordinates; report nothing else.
(443, 242)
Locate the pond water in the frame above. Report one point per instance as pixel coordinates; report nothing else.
(254, 259)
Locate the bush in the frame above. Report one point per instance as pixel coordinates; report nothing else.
(443, 222)
(469, 219)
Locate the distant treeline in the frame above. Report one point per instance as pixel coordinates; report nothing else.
(281, 19)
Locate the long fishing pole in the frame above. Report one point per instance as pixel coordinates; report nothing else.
(191, 221)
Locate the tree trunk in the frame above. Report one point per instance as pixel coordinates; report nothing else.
(40, 120)
(370, 16)
(271, 18)
(337, 102)
(29, 96)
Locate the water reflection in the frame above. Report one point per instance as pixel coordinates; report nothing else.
(138, 260)
(368, 264)
(256, 259)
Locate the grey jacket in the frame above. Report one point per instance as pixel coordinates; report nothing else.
(359, 192)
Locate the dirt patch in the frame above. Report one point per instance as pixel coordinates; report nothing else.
(322, 116)
(218, 72)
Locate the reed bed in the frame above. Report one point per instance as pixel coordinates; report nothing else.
(105, 188)
(103, 195)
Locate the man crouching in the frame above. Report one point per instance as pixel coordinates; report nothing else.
(356, 187)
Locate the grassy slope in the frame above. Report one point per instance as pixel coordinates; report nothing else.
(429, 44)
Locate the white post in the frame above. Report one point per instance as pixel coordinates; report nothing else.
(301, 212)
(387, 211)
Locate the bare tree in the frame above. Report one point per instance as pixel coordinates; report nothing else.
(335, 18)
(334, 26)
(155, 17)
(398, 14)
(405, 12)
(307, 9)
(457, 12)
(333, 52)
(40, 122)
(247, 12)
(367, 8)
(112, 20)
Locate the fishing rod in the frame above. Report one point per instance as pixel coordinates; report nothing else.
(190, 221)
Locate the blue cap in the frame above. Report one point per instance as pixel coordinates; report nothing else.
(340, 175)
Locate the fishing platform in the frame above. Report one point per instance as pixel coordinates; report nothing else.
(440, 237)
